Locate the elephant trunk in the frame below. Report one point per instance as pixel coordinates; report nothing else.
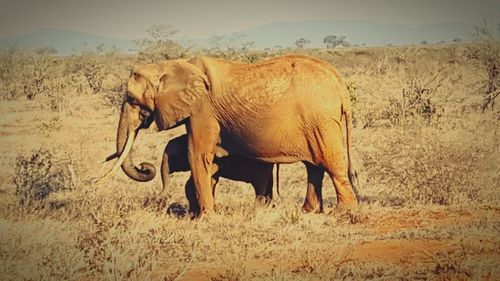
(145, 171)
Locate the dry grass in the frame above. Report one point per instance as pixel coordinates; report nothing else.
(426, 153)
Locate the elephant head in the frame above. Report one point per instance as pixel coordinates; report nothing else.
(166, 93)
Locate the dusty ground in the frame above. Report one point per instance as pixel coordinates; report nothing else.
(429, 194)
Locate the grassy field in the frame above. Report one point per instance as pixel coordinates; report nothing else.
(426, 152)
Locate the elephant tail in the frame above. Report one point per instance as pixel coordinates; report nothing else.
(347, 113)
(278, 179)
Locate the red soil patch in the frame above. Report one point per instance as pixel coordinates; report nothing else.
(416, 219)
(409, 252)
(399, 251)
(402, 252)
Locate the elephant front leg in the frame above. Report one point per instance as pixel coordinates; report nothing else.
(202, 140)
(201, 173)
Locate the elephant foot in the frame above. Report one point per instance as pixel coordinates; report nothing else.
(311, 209)
(347, 205)
(194, 211)
(263, 204)
(350, 216)
(262, 201)
(198, 212)
(202, 215)
(207, 212)
(343, 209)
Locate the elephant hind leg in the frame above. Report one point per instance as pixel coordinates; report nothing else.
(336, 168)
(314, 198)
(331, 147)
(346, 198)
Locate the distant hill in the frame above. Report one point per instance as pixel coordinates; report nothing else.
(283, 33)
(67, 42)
(371, 33)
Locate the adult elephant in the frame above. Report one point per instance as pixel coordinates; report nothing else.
(282, 110)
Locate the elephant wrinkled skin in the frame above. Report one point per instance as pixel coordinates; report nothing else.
(281, 110)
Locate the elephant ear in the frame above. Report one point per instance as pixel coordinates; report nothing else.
(181, 93)
(151, 74)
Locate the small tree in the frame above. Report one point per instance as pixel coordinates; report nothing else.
(302, 42)
(39, 65)
(457, 40)
(160, 45)
(332, 41)
(161, 32)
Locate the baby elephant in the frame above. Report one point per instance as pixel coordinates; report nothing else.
(255, 172)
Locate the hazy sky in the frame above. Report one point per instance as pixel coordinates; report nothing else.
(202, 18)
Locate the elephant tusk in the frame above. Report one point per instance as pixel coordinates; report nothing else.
(123, 155)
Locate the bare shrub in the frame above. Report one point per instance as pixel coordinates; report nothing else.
(415, 102)
(89, 65)
(37, 175)
(354, 96)
(40, 73)
(10, 73)
(486, 52)
(25, 74)
(7, 61)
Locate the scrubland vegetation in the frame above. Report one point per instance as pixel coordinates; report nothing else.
(426, 141)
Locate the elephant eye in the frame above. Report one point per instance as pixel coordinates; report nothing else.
(132, 100)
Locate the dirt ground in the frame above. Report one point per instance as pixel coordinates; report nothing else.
(429, 195)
